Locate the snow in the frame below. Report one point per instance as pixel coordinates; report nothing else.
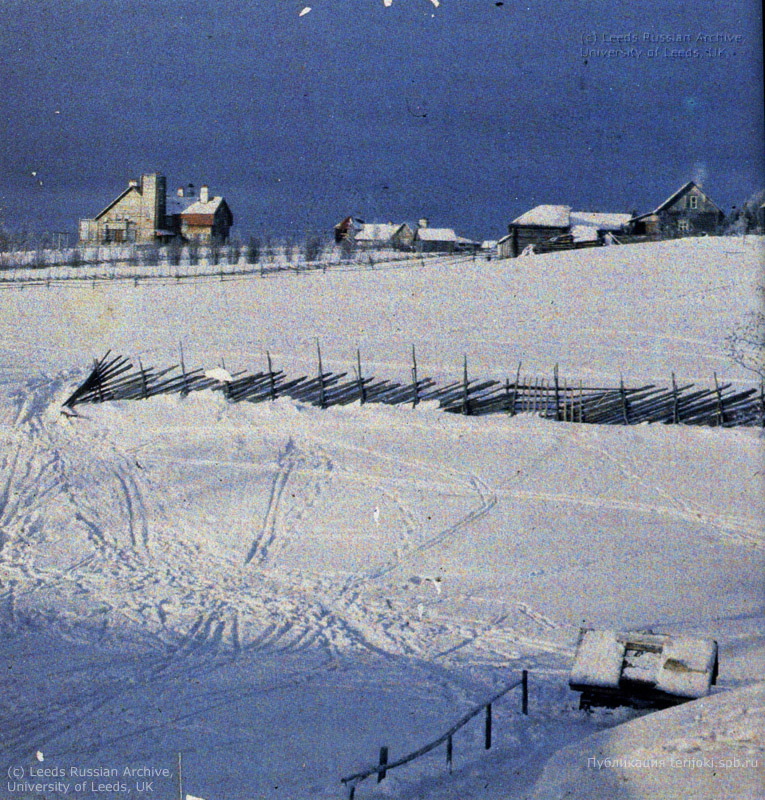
(599, 220)
(709, 748)
(687, 665)
(584, 233)
(437, 235)
(277, 590)
(598, 660)
(548, 216)
(200, 207)
(376, 232)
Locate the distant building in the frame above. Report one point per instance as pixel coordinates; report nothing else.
(546, 222)
(435, 240)
(206, 219)
(688, 211)
(143, 215)
(347, 228)
(381, 236)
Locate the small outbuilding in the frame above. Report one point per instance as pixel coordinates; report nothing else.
(641, 669)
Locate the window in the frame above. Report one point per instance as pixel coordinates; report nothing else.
(693, 201)
(683, 225)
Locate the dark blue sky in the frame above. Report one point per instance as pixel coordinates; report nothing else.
(468, 114)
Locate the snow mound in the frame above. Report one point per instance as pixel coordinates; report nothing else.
(708, 748)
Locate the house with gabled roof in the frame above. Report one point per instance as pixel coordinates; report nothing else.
(435, 240)
(141, 214)
(206, 219)
(687, 211)
(546, 222)
(136, 215)
(398, 236)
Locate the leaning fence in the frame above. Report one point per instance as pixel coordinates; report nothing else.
(384, 766)
(720, 404)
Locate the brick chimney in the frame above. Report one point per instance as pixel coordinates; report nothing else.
(204, 194)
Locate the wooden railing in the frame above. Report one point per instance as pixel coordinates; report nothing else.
(383, 766)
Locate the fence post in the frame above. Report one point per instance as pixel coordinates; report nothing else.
(525, 692)
(362, 394)
(97, 369)
(762, 404)
(557, 394)
(415, 390)
(322, 398)
(625, 402)
(487, 730)
(183, 370)
(515, 389)
(271, 382)
(383, 762)
(720, 412)
(143, 379)
(465, 389)
(449, 753)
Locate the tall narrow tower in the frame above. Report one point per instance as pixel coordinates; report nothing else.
(153, 192)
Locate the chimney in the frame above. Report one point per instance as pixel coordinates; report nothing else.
(204, 194)
(422, 223)
(180, 191)
(132, 184)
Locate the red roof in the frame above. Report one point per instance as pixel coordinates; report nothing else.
(199, 219)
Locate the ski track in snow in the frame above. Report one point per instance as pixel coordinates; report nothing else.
(194, 610)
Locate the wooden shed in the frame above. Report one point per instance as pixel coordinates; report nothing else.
(641, 669)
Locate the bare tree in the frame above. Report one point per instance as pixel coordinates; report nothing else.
(313, 248)
(252, 253)
(746, 344)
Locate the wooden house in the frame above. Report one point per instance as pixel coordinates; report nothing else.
(435, 240)
(545, 223)
(383, 236)
(347, 228)
(208, 219)
(686, 212)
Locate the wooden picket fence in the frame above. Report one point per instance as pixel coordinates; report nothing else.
(384, 766)
(721, 404)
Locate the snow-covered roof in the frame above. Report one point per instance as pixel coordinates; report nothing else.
(672, 199)
(377, 232)
(436, 235)
(545, 216)
(198, 207)
(687, 666)
(598, 660)
(584, 233)
(678, 665)
(601, 221)
(177, 205)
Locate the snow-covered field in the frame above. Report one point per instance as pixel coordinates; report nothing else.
(276, 591)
